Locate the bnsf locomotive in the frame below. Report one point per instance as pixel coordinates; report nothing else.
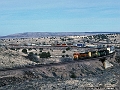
(90, 54)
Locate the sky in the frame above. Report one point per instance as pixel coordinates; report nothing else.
(18, 16)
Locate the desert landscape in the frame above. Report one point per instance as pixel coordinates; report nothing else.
(47, 63)
(60, 45)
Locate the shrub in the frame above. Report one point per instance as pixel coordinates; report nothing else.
(102, 59)
(45, 55)
(36, 54)
(67, 55)
(40, 50)
(33, 57)
(17, 48)
(117, 58)
(63, 51)
(63, 56)
(68, 48)
(29, 49)
(73, 75)
(70, 39)
(63, 39)
(12, 48)
(24, 51)
(28, 73)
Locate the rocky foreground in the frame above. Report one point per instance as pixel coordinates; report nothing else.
(109, 80)
(77, 76)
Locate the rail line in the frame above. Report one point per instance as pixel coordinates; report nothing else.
(46, 47)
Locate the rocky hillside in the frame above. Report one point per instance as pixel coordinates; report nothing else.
(10, 59)
(104, 81)
(72, 76)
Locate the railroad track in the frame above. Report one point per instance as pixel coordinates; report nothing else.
(53, 64)
(45, 47)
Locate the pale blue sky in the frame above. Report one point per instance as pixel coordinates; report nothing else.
(17, 16)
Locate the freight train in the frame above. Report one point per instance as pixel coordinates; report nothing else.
(51, 45)
(92, 54)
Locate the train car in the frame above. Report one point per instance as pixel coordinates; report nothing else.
(84, 55)
(93, 54)
(103, 53)
(81, 45)
(111, 49)
(90, 54)
(64, 45)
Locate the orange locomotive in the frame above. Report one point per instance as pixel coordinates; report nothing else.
(80, 55)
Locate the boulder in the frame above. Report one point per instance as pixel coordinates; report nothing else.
(107, 64)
